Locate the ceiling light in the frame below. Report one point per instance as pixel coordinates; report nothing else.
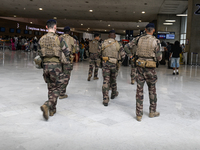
(54, 17)
(138, 26)
(139, 20)
(170, 20)
(109, 25)
(88, 28)
(81, 24)
(143, 12)
(181, 15)
(124, 31)
(133, 12)
(91, 10)
(14, 16)
(168, 24)
(40, 9)
(105, 30)
(31, 22)
(24, 8)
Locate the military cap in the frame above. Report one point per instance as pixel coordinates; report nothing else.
(112, 31)
(150, 25)
(67, 28)
(96, 34)
(52, 20)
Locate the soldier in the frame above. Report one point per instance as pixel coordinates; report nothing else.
(148, 52)
(111, 53)
(53, 51)
(68, 67)
(94, 49)
(130, 49)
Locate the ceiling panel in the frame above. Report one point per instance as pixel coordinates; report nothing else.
(121, 14)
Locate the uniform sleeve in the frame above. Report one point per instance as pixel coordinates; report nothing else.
(158, 52)
(99, 50)
(130, 45)
(122, 52)
(64, 47)
(39, 49)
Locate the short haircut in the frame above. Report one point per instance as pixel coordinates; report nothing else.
(96, 35)
(150, 29)
(51, 23)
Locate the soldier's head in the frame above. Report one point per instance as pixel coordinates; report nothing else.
(67, 30)
(51, 25)
(96, 36)
(150, 28)
(112, 34)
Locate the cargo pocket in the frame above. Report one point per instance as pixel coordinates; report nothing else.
(46, 78)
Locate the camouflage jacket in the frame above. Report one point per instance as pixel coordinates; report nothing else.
(98, 54)
(74, 45)
(134, 42)
(63, 47)
(129, 46)
(122, 53)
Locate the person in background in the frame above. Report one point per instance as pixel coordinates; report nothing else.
(13, 44)
(95, 49)
(81, 50)
(16, 41)
(77, 51)
(176, 50)
(183, 47)
(167, 53)
(35, 43)
(112, 51)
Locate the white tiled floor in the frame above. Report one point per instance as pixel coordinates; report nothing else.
(83, 123)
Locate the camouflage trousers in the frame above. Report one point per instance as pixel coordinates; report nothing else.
(109, 80)
(149, 75)
(133, 71)
(94, 63)
(52, 73)
(67, 68)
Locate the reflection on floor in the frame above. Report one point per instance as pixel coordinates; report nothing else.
(83, 123)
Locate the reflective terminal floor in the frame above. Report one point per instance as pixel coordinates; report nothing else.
(83, 123)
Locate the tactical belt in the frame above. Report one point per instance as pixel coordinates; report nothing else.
(146, 63)
(111, 60)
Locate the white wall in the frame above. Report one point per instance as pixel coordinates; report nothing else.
(88, 36)
(105, 36)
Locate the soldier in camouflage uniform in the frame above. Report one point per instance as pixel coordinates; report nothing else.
(53, 51)
(94, 49)
(148, 52)
(111, 53)
(130, 49)
(68, 67)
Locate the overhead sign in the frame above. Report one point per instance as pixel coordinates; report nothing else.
(40, 29)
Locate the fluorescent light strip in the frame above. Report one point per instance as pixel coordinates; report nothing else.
(170, 20)
(181, 15)
(168, 24)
